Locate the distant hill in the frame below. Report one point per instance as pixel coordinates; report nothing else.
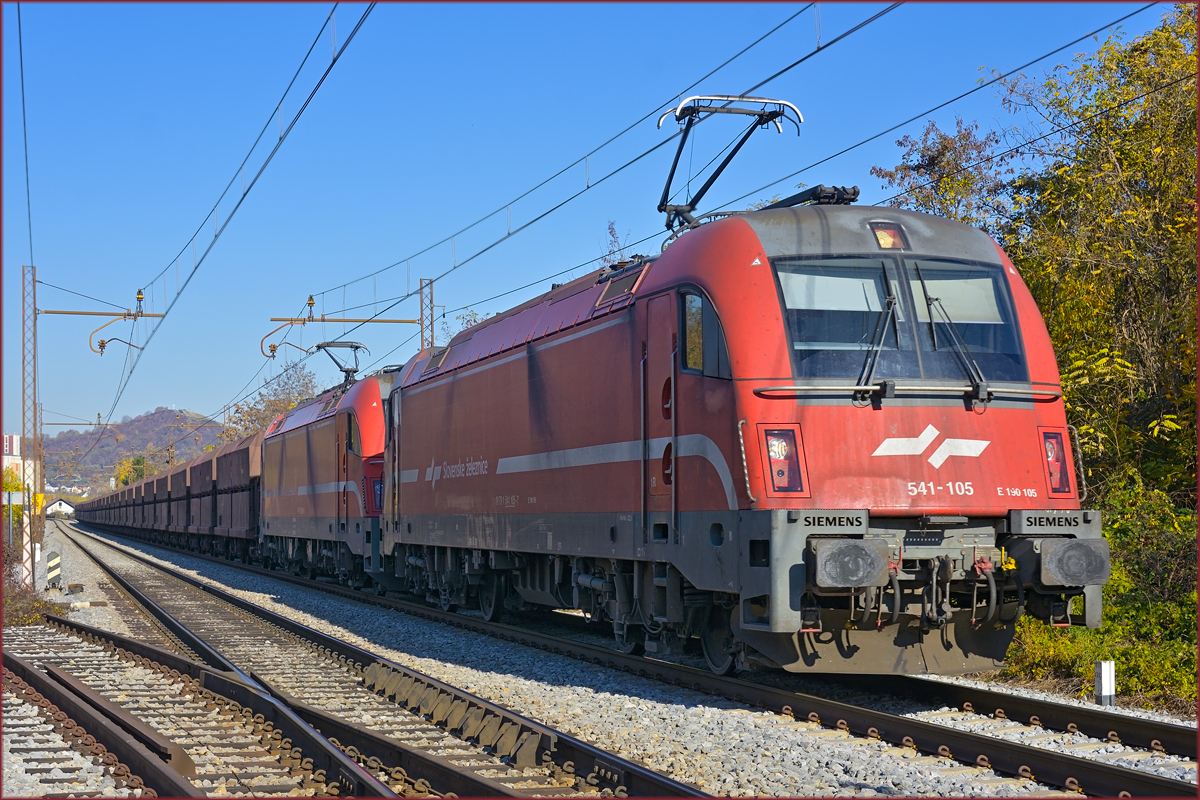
(148, 434)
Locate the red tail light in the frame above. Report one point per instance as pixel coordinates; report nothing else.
(1056, 462)
(784, 461)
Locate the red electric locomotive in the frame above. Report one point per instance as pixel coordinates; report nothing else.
(322, 480)
(817, 437)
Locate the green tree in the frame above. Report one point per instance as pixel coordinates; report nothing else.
(1105, 236)
(1101, 222)
(130, 470)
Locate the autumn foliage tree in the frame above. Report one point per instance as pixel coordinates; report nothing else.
(287, 390)
(1105, 236)
(957, 175)
(1096, 206)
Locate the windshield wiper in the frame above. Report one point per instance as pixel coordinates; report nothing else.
(979, 384)
(867, 377)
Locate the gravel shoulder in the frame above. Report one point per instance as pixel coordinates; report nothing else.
(78, 568)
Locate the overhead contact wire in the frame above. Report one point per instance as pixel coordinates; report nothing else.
(576, 162)
(124, 381)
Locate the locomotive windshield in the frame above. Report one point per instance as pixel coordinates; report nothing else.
(835, 305)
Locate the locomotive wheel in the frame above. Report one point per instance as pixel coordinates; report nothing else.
(491, 597)
(445, 603)
(634, 643)
(716, 640)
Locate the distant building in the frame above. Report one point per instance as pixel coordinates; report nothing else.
(60, 506)
(12, 451)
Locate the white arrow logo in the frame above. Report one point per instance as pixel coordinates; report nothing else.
(917, 446)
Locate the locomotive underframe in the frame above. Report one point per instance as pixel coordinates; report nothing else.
(658, 586)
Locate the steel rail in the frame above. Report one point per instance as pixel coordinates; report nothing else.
(1149, 734)
(439, 772)
(238, 686)
(1047, 766)
(508, 732)
(151, 758)
(1012, 758)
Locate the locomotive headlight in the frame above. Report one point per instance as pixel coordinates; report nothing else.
(777, 448)
(784, 461)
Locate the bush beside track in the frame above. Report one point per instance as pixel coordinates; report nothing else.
(23, 605)
(1149, 625)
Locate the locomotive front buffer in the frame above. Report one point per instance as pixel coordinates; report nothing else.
(842, 570)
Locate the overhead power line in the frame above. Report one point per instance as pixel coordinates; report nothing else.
(872, 138)
(582, 159)
(657, 234)
(938, 107)
(245, 391)
(133, 360)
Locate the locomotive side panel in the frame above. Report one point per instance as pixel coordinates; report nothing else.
(505, 453)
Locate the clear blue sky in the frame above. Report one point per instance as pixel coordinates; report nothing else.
(139, 114)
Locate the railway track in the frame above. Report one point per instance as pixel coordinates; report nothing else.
(392, 720)
(1092, 733)
(49, 752)
(207, 739)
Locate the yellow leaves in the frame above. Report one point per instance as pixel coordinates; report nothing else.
(1164, 425)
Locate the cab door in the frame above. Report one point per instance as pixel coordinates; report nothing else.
(658, 409)
(343, 464)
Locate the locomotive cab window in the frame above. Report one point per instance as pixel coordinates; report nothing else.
(841, 310)
(353, 443)
(704, 350)
(974, 300)
(387, 415)
(845, 314)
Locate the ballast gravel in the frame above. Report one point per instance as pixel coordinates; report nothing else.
(723, 747)
(39, 762)
(1075, 744)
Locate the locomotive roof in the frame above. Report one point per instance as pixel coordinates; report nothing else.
(323, 405)
(830, 229)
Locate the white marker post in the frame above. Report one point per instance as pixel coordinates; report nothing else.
(1106, 683)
